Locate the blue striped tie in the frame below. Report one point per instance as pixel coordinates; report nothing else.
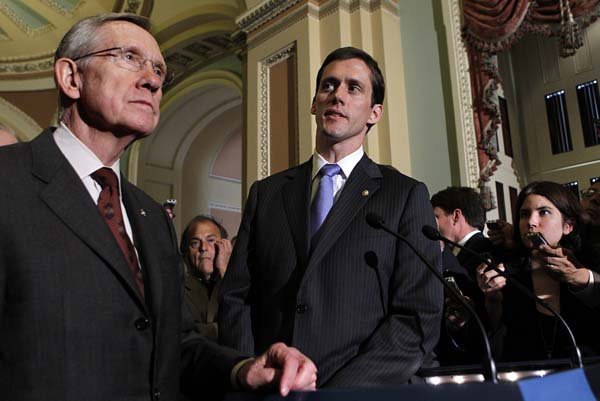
(323, 200)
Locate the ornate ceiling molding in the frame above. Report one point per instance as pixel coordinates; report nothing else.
(263, 13)
(63, 7)
(33, 24)
(351, 6)
(27, 67)
(290, 12)
(28, 20)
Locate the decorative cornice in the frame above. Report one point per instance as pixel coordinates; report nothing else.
(32, 64)
(256, 17)
(264, 159)
(61, 9)
(35, 66)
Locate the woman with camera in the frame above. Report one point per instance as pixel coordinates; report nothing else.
(548, 221)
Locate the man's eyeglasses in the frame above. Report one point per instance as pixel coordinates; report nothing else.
(589, 193)
(132, 61)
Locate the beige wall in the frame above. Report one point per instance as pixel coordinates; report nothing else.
(534, 69)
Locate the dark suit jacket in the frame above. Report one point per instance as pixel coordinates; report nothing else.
(359, 303)
(478, 243)
(72, 323)
(203, 306)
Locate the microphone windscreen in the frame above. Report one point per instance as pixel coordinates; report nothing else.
(431, 233)
(374, 220)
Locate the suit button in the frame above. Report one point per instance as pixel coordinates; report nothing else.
(301, 308)
(156, 394)
(142, 323)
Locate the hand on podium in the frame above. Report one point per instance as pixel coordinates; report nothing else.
(279, 365)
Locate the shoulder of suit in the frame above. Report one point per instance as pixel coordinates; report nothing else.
(15, 158)
(391, 172)
(481, 242)
(140, 195)
(285, 174)
(20, 149)
(16, 150)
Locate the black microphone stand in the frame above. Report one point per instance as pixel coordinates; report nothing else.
(489, 366)
(435, 235)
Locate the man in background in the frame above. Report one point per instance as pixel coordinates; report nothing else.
(90, 295)
(206, 252)
(309, 271)
(460, 216)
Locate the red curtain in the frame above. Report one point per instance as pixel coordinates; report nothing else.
(491, 26)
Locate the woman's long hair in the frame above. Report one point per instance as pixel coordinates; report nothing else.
(564, 200)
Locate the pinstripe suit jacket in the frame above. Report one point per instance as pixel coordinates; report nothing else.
(73, 325)
(359, 303)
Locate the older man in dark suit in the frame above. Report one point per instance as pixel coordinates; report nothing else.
(90, 295)
(308, 270)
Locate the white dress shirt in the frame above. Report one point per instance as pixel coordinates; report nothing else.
(463, 241)
(85, 162)
(346, 164)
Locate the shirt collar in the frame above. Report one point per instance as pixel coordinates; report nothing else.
(83, 160)
(347, 164)
(468, 237)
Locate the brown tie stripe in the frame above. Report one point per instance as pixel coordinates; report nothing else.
(109, 206)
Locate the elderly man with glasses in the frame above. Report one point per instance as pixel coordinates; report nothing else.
(90, 302)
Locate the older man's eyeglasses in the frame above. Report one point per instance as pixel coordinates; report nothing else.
(132, 61)
(589, 193)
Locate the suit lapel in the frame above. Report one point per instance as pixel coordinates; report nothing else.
(68, 198)
(142, 223)
(363, 183)
(296, 200)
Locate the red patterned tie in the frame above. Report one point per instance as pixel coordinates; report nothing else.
(109, 206)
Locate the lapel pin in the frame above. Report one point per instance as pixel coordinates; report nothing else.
(142, 212)
(365, 192)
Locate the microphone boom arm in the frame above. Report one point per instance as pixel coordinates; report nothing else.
(434, 235)
(489, 366)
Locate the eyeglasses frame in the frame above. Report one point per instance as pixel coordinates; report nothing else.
(169, 75)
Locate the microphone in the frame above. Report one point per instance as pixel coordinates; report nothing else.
(434, 235)
(431, 233)
(489, 366)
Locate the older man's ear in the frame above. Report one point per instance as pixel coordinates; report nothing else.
(66, 75)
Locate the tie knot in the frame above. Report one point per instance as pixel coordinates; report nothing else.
(105, 177)
(330, 170)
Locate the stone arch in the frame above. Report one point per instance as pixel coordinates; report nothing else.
(24, 126)
(198, 117)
